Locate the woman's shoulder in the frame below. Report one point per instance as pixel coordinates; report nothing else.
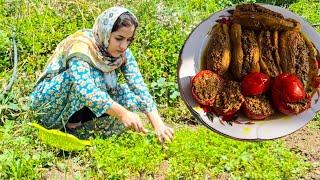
(87, 32)
(82, 36)
(129, 54)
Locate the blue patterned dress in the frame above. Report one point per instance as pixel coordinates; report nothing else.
(60, 96)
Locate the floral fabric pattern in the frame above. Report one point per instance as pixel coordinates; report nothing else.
(80, 85)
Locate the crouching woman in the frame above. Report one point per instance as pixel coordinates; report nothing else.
(80, 81)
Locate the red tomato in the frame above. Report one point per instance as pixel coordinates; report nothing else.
(316, 82)
(285, 108)
(205, 102)
(293, 89)
(286, 89)
(229, 100)
(228, 117)
(252, 115)
(290, 87)
(255, 83)
(318, 63)
(229, 113)
(209, 109)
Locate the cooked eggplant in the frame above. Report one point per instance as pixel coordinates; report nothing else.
(256, 17)
(269, 56)
(298, 56)
(219, 53)
(256, 8)
(245, 51)
(313, 65)
(237, 52)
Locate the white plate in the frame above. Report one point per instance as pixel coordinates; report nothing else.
(245, 129)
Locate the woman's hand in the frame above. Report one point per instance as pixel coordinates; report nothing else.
(132, 121)
(129, 119)
(164, 133)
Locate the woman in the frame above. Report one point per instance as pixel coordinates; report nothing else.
(80, 81)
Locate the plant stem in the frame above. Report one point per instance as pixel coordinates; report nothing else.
(15, 67)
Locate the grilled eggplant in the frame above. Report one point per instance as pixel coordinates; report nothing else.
(298, 56)
(269, 56)
(219, 53)
(256, 17)
(245, 51)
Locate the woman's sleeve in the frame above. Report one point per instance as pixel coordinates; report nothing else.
(97, 100)
(135, 82)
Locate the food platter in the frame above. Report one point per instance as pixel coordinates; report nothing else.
(242, 128)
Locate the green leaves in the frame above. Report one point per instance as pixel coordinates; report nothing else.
(130, 154)
(20, 157)
(310, 11)
(165, 92)
(4, 41)
(195, 153)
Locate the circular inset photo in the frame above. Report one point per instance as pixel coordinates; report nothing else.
(250, 72)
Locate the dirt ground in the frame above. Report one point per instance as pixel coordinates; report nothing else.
(306, 141)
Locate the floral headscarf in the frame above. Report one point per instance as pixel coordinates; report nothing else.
(102, 32)
(89, 45)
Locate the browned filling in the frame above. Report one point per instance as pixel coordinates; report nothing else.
(249, 42)
(298, 106)
(215, 63)
(259, 105)
(269, 53)
(206, 87)
(230, 98)
(218, 45)
(295, 55)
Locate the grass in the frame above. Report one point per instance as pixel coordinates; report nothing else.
(196, 152)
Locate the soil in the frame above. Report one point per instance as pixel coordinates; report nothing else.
(71, 171)
(57, 174)
(306, 142)
(162, 170)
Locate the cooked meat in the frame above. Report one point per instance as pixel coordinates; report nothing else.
(207, 87)
(269, 56)
(258, 107)
(229, 99)
(219, 55)
(245, 51)
(299, 106)
(251, 53)
(257, 17)
(297, 56)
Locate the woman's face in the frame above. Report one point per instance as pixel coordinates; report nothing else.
(120, 40)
